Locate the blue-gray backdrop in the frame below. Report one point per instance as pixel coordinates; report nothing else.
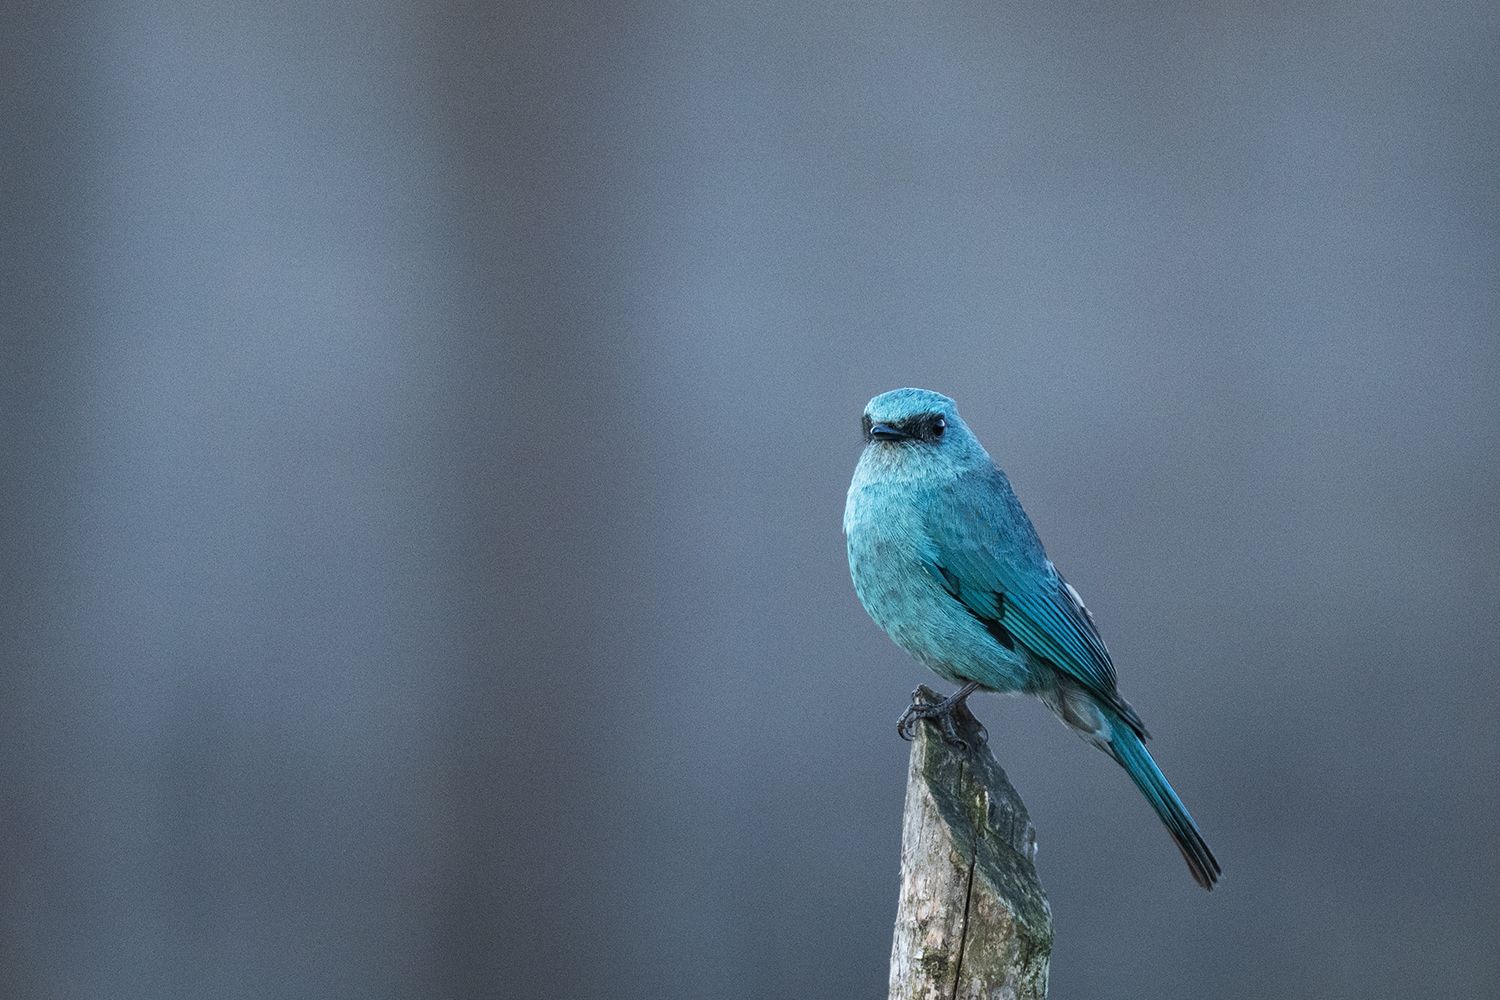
(425, 437)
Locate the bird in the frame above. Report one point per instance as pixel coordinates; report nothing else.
(946, 561)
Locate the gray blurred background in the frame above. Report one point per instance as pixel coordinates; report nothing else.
(426, 430)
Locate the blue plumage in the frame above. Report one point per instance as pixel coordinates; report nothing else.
(946, 561)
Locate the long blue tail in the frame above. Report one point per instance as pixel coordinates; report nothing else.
(1126, 748)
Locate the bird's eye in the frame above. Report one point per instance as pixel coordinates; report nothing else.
(938, 426)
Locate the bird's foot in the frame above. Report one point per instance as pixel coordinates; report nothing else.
(940, 712)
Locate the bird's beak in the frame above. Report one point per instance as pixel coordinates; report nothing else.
(885, 432)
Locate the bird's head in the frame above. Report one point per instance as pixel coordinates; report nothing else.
(918, 432)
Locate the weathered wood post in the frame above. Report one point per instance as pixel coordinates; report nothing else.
(973, 921)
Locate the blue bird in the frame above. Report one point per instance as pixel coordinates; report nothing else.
(948, 564)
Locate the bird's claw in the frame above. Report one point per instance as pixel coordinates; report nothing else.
(941, 713)
(906, 726)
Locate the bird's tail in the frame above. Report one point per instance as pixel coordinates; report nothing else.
(1126, 748)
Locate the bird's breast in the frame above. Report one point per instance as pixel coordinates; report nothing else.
(889, 553)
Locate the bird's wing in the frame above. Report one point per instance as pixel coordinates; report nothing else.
(985, 553)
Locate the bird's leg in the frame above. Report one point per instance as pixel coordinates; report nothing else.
(941, 713)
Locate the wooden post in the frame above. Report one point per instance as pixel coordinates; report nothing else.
(973, 922)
